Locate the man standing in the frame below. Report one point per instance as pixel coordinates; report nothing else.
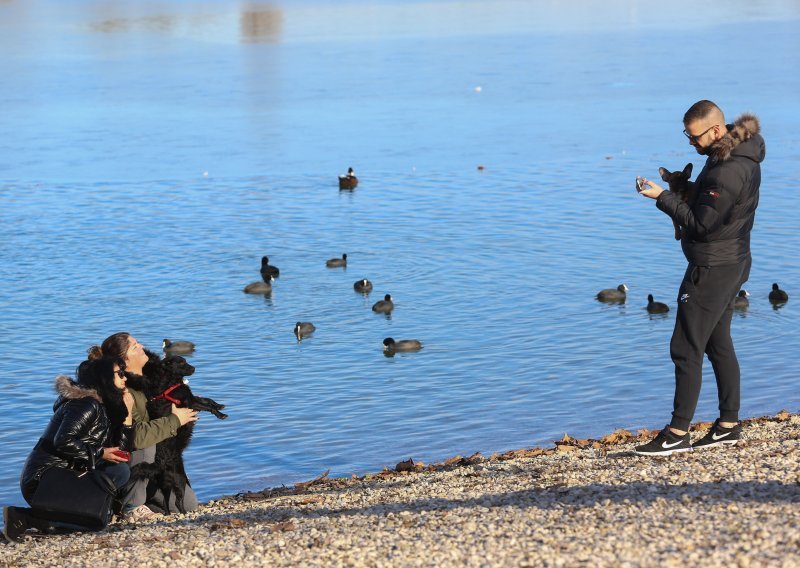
(715, 224)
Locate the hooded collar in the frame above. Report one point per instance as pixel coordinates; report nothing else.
(742, 130)
(70, 390)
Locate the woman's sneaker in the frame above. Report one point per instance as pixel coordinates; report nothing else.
(719, 436)
(665, 444)
(15, 523)
(141, 513)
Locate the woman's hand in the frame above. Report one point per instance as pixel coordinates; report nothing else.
(127, 398)
(185, 415)
(110, 456)
(651, 189)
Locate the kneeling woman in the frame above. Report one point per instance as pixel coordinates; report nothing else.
(92, 421)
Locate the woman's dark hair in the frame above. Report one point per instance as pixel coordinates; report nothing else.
(98, 374)
(113, 346)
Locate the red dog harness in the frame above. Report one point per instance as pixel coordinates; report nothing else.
(166, 394)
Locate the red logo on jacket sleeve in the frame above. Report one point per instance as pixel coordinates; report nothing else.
(713, 194)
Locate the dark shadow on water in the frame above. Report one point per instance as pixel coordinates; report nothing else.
(611, 302)
(663, 316)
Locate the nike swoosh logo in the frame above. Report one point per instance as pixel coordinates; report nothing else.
(715, 437)
(668, 446)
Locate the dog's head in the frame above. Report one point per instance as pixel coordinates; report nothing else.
(177, 367)
(678, 180)
(160, 374)
(173, 371)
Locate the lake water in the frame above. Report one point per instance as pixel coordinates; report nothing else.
(151, 153)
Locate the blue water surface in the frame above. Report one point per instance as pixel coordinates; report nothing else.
(151, 153)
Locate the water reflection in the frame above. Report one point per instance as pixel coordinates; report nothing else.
(246, 25)
(653, 317)
(262, 26)
(159, 23)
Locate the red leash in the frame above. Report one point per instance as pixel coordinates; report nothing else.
(166, 394)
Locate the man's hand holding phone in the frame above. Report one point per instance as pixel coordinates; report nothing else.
(648, 188)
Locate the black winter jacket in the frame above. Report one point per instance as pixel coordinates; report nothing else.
(75, 436)
(718, 218)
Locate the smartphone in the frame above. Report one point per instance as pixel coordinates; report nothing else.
(640, 184)
(122, 454)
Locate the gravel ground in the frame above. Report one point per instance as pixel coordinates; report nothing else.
(582, 502)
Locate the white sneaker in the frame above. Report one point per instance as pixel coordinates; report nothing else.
(141, 513)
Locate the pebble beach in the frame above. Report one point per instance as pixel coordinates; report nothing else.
(580, 502)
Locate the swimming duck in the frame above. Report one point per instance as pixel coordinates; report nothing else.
(303, 328)
(267, 270)
(384, 306)
(336, 262)
(364, 286)
(617, 294)
(264, 287)
(656, 307)
(740, 302)
(177, 347)
(349, 180)
(778, 296)
(404, 345)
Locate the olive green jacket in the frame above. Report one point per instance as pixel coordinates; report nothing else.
(150, 432)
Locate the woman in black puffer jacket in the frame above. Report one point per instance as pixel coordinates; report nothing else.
(91, 421)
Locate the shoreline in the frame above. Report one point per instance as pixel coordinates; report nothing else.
(589, 501)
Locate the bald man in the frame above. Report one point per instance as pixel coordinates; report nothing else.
(715, 238)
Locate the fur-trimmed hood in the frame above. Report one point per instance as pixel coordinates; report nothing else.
(743, 129)
(70, 390)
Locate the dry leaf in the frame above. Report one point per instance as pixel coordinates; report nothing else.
(284, 526)
(228, 524)
(407, 465)
(477, 457)
(318, 479)
(310, 499)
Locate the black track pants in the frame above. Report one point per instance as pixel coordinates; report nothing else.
(703, 326)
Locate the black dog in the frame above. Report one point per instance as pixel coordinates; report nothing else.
(163, 384)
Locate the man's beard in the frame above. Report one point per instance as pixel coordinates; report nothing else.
(703, 150)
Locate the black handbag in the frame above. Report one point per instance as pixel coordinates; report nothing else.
(67, 495)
